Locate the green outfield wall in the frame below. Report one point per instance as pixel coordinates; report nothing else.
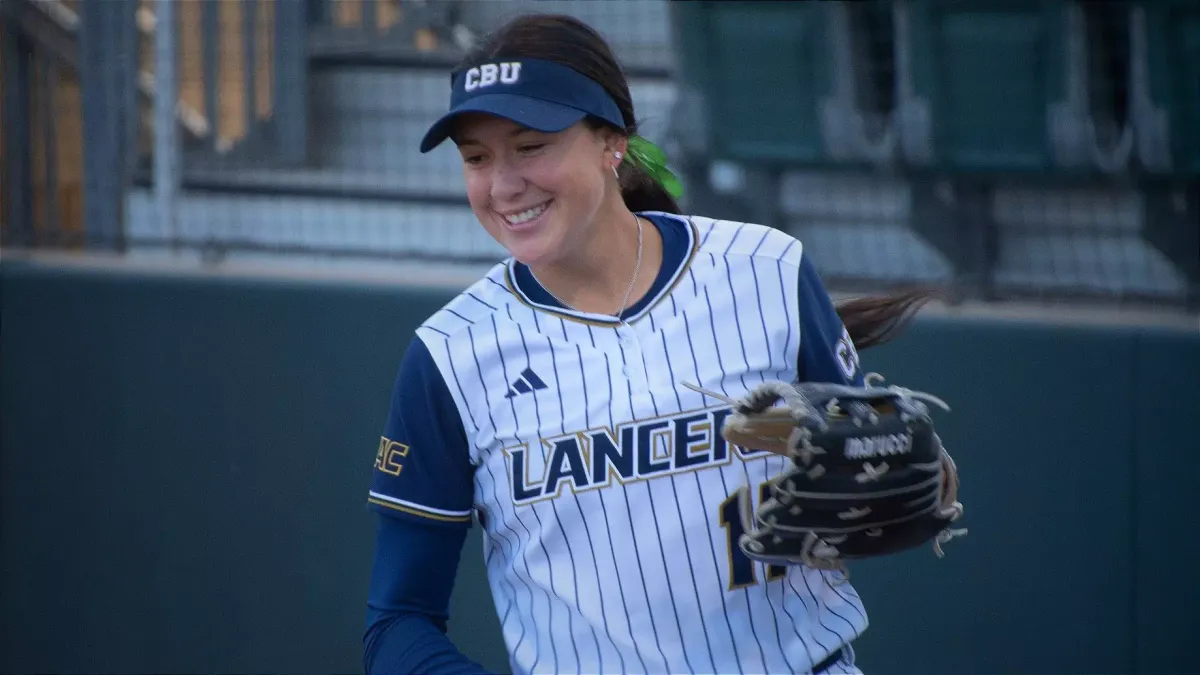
(184, 462)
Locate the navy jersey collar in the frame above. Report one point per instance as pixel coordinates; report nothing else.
(679, 244)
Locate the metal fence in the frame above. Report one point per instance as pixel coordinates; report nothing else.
(1016, 148)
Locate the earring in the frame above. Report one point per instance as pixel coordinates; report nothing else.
(616, 175)
(618, 154)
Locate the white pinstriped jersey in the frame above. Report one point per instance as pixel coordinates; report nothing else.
(603, 485)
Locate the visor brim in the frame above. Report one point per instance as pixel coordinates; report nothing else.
(528, 112)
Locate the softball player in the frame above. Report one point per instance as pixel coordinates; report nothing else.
(548, 400)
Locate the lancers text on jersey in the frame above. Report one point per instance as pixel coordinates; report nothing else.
(591, 459)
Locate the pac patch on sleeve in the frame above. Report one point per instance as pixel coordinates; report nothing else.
(390, 456)
(847, 355)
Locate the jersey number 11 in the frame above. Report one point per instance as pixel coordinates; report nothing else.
(742, 570)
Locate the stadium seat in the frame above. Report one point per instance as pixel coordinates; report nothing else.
(1167, 72)
(764, 69)
(986, 86)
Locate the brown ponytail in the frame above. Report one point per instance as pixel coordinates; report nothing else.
(872, 321)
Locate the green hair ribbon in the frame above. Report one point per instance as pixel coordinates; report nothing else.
(653, 161)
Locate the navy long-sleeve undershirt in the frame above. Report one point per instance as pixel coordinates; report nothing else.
(408, 603)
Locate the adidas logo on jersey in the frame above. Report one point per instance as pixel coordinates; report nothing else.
(527, 382)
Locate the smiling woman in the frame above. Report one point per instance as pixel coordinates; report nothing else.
(543, 198)
(541, 144)
(522, 399)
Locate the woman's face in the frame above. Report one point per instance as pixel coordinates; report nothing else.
(536, 193)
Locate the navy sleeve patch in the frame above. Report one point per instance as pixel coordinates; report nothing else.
(422, 464)
(827, 353)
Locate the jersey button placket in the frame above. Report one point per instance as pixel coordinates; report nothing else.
(634, 369)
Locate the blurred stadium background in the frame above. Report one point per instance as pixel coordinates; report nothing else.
(1038, 150)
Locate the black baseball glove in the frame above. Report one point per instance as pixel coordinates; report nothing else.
(869, 476)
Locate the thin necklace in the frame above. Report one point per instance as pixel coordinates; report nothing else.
(637, 268)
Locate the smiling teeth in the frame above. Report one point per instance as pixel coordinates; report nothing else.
(526, 216)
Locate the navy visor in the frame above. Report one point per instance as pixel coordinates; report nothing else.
(541, 95)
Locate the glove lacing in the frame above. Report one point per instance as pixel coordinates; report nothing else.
(952, 509)
(907, 394)
(817, 552)
(821, 552)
